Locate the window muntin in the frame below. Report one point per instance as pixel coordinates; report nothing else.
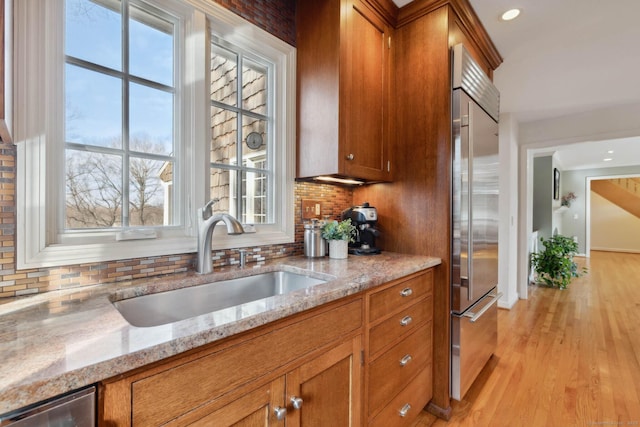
(120, 115)
(241, 116)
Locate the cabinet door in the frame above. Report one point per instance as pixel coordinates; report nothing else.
(254, 408)
(366, 94)
(328, 387)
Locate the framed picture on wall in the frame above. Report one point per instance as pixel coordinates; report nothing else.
(556, 184)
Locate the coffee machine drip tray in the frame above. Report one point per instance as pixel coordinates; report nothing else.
(364, 250)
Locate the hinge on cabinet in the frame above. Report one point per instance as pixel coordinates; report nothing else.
(388, 165)
(361, 357)
(389, 42)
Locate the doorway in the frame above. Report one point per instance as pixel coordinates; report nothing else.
(613, 213)
(573, 225)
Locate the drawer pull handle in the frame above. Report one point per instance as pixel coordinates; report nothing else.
(280, 413)
(296, 402)
(406, 292)
(405, 410)
(406, 320)
(406, 359)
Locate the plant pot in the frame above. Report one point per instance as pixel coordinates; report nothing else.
(338, 249)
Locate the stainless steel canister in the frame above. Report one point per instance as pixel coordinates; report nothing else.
(314, 245)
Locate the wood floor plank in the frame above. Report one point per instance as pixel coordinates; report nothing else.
(564, 358)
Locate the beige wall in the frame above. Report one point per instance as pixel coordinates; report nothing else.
(613, 228)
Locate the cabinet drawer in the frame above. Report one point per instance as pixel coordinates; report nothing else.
(400, 324)
(401, 294)
(154, 399)
(404, 408)
(388, 375)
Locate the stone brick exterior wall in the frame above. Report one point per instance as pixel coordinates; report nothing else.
(277, 17)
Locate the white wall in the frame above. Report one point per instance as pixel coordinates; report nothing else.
(508, 231)
(613, 228)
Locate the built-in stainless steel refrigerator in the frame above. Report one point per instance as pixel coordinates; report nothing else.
(474, 275)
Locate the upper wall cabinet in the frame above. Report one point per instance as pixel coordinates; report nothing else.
(344, 83)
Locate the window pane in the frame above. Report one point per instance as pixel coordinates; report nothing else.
(224, 131)
(221, 188)
(148, 203)
(254, 87)
(254, 198)
(93, 32)
(224, 76)
(151, 120)
(93, 108)
(93, 190)
(150, 47)
(254, 131)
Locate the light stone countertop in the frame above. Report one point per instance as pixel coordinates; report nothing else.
(60, 341)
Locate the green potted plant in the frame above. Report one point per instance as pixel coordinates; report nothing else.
(339, 234)
(555, 265)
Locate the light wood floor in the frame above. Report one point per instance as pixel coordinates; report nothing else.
(564, 358)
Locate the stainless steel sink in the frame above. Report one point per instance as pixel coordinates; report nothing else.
(179, 304)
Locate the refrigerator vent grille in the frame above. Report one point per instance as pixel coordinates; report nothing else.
(470, 77)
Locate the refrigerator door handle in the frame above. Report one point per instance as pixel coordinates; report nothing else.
(470, 205)
(475, 316)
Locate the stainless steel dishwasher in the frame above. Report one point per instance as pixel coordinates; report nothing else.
(76, 409)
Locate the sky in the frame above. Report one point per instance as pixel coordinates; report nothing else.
(93, 100)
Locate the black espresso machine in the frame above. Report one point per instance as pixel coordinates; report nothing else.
(365, 218)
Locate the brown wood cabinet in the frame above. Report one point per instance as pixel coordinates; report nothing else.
(424, 33)
(322, 391)
(317, 391)
(253, 379)
(399, 350)
(344, 86)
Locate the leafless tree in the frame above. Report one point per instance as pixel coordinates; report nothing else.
(95, 194)
(145, 187)
(94, 190)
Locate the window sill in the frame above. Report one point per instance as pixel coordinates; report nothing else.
(61, 255)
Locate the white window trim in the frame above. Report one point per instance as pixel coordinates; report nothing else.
(34, 121)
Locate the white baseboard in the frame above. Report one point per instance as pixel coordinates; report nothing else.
(630, 251)
(504, 303)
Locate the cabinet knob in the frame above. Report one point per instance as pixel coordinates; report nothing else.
(280, 413)
(296, 402)
(406, 292)
(406, 359)
(405, 410)
(406, 320)
(350, 156)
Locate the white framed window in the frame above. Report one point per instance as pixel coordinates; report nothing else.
(116, 133)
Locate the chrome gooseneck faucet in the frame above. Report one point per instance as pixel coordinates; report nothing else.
(206, 222)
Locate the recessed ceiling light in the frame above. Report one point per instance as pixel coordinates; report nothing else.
(510, 14)
(610, 151)
(608, 159)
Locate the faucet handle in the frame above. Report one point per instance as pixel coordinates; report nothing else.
(206, 210)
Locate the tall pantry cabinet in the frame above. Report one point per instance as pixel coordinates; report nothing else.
(414, 214)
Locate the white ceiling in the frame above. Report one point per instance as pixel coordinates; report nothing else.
(567, 57)
(592, 155)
